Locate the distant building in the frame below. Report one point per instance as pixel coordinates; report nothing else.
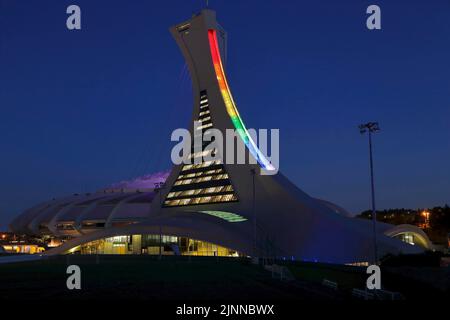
(10, 243)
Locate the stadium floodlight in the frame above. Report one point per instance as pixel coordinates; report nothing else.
(372, 127)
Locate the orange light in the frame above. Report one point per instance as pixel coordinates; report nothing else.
(230, 106)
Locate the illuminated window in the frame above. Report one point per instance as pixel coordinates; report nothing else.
(65, 226)
(204, 153)
(201, 165)
(200, 173)
(150, 244)
(407, 237)
(92, 225)
(204, 119)
(205, 182)
(184, 27)
(205, 126)
(201, 200)
(228, 216)
(182, 181)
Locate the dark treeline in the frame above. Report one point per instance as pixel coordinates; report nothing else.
(434, 221)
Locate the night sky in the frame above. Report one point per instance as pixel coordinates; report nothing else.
(84, 109)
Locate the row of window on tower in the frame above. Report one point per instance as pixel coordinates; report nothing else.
(204, 182)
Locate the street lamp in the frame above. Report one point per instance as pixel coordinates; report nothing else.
(426, 215)
(372, 127)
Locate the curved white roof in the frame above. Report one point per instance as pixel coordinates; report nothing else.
(69, 215)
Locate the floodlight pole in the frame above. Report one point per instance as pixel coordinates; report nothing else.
(159, 186)
(374, 212)
(372, 127)
(255, 244)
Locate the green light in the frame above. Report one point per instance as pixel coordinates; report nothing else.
(228, 216)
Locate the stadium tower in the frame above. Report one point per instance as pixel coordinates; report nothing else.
(233, 206)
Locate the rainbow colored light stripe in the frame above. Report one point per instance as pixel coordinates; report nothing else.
(231, 106)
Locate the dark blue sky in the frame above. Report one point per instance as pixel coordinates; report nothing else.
(83, 109)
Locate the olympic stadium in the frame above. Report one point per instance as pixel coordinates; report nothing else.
(211, 208)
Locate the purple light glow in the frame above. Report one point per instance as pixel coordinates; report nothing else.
(147, 181)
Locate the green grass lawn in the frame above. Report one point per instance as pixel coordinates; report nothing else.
(346, 277)
(414, 283)
(144, 277)
(197, 279)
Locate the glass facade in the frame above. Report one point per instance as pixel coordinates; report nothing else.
(228, 216)
(407, 237)
(205, 182)
(153, 245)
(23, 248)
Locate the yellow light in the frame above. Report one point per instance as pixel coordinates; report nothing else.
(70, 251)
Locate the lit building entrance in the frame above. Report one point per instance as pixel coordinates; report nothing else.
(153, 245)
